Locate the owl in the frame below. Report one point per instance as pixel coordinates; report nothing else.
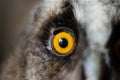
(68, 40)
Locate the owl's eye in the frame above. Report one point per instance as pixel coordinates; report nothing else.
(63, 43)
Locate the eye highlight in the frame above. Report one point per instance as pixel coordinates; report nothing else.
(63, 43)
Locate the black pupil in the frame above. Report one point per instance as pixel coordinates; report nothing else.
(63, 42)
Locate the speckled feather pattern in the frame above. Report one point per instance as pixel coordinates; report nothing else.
(36, 61)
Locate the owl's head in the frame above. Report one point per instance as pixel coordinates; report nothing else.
(73, 40)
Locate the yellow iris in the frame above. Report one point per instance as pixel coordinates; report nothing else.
(63, 43)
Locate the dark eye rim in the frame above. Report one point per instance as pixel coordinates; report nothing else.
(60, 29)
(63, 29)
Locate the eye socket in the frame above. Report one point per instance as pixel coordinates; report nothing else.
(63, 43)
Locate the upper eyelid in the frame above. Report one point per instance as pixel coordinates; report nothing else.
(65, 19)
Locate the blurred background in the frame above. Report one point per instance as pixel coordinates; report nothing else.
(13, 20)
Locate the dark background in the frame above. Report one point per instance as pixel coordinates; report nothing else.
(13, 20)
